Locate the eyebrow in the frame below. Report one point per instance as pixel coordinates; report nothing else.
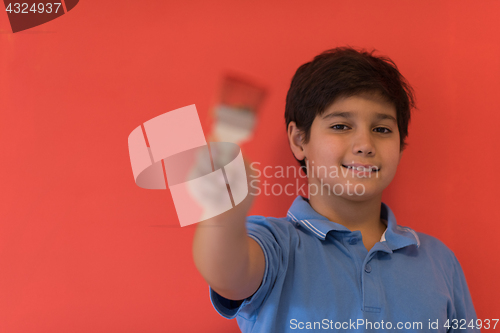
(349, 115)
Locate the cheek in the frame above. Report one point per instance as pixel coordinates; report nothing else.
(391, 162)
(325, 155)
(328, 149)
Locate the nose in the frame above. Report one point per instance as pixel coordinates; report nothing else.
(363, 144)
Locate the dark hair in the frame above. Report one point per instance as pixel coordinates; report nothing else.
(345, 72)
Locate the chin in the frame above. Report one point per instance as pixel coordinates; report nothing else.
(357, 192)
(360, 198)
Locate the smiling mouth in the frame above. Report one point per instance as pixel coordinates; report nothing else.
(362, 169)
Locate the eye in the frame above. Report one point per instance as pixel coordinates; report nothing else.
(387, 131)
(337, 127)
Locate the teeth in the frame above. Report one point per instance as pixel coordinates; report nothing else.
(362, 168)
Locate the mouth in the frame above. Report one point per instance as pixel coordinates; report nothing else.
(362, 169)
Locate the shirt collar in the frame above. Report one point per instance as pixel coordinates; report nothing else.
(395, 237)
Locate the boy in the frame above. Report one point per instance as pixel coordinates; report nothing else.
(338, 260)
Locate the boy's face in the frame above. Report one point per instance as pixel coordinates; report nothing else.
(366, 133)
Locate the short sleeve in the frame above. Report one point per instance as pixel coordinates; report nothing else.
(464, 309)
(273, 238)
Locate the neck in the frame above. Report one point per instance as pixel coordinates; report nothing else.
(354, 215)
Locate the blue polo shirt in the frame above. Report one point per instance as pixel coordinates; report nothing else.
(320, 277)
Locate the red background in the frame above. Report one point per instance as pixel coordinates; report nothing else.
(83, 249)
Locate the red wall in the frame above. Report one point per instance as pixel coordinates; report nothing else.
(83, 249)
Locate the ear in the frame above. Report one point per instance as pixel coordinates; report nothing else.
(295, 139)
